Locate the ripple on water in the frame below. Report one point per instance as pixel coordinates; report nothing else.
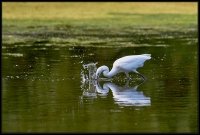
(13, 54)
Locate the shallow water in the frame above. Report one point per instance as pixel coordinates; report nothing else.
(45, 87)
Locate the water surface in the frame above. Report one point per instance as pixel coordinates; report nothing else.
(43, 89)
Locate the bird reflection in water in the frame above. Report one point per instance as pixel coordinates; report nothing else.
(123, 95)
(126, 95)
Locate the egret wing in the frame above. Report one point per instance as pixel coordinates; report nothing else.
(131, 62)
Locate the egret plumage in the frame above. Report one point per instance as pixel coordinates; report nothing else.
(125, 64)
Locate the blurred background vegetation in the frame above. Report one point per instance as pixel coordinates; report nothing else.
(61, 22)
(129, 13)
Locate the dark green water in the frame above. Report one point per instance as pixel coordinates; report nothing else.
(43, 89)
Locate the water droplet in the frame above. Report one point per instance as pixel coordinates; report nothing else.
(91, 54)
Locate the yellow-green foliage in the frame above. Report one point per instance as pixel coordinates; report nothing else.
(91, 10)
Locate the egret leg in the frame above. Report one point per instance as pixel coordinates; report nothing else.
(127, 75)
(127, 84)
(143, 77)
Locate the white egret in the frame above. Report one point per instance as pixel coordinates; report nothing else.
(125, 64)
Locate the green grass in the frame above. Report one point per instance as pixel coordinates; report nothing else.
(94, 23)
(91, 10)
(107, 14)
(135, 20)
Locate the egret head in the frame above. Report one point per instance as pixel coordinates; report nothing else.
(100, 70)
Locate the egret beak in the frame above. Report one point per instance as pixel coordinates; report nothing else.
(97, 76)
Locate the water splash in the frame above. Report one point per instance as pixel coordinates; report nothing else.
(89, 72)
(88, 75)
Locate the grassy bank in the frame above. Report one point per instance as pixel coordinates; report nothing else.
(91, 10)
(103, 13)
(95, 23)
